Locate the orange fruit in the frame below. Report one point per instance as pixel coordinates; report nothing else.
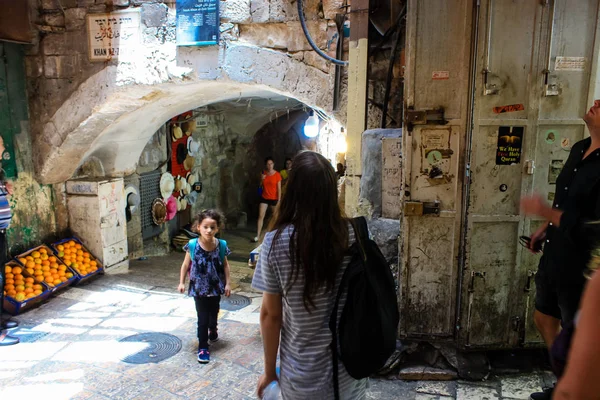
(11, 293)
(63, 279)
(10, 281)
(9, 275)
(71, 243)
(18, 277)
(39, 278)
(20, 297)
(28, 290)
(68, 275)
(43, 250)
(36, 254)
(17, 270)
(37, 292)
(86, 254)
(7, 269)
(45, 262)
(29, 258)
(19, 288)
(62, 268)
(30, 295)
(9, 286)
(77, 246)
(93, 262)
(30, 264)
(19, 282)
(30, 271)
(37, 260)
(60, 247)
(44, 257)
(61, 273)
(46, 268)
(29, 280)
(61, 254)
(57, 281)
(52, 259)
(38, 272)
(23, 260)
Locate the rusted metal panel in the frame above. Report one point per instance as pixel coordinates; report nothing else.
(391, 178)
(14, 21)
(436, 78)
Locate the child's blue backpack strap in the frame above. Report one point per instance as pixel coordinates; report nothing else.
(192, 246)
(222, 250)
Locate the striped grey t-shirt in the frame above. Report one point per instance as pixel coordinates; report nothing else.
(305, 355)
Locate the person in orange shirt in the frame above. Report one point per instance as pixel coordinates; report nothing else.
(271, 193)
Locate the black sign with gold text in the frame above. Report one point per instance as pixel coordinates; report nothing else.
(510, 143)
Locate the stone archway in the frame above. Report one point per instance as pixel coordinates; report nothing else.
(113, 113)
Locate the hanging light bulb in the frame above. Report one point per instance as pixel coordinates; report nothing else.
(311, 126)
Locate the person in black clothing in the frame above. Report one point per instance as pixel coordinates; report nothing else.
(567, 236)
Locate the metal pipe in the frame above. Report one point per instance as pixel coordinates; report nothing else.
(311, 42)
(339, 52)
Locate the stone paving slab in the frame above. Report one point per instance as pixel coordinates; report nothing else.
(80, 357)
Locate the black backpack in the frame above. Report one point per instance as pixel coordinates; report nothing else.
(369, 322)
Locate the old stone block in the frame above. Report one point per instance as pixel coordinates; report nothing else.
(61, 66)
(311, 9)
(54, 19)
(66, 43)
(229, 31)
(314, 60)
(519, 387)
(297, 41)
(385, 233)
(58, 4)
(236, 11)
(423, 373)
(120, 3)
(370, 183)
(274, 36)
(259, 11)
(86, 3)
(154, 15)
(282, 11)
(75, 18)
(332, 7)
(475, 392)
(33, 66)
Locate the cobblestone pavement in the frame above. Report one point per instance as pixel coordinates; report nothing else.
(72, 348)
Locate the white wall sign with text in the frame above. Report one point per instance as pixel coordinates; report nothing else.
(113, 35)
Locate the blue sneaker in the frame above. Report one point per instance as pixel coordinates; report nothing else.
(203, 356)
(213, 336)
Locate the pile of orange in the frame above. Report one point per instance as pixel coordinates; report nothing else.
(42, 266)
(20, 287)
(75, 256)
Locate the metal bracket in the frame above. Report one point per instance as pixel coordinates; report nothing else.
(488, 88)
(423, 117)
(418, 208)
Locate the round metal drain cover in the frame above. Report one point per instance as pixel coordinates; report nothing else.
(234, 302)
(158, 347)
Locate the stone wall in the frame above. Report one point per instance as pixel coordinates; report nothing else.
(74, 101)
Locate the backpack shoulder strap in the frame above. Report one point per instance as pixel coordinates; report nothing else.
(361, 228)
(222, 250)
(192, 246)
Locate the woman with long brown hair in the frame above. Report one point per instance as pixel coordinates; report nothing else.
(299, 270)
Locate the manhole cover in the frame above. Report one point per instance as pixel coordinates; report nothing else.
(159, 347)
(234, 302)
(27, 335)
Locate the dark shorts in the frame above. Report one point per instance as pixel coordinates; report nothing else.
(269, 202)
(558, 299)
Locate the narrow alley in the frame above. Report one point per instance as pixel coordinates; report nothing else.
(73, 348)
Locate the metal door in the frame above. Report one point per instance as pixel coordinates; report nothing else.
(436, 96)
(527, 114)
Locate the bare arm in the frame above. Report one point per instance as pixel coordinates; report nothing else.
(227, 280)
(581, 379)
(279, 191)
(270, 326)
(185, 267)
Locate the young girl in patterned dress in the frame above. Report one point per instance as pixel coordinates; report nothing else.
(207, 266)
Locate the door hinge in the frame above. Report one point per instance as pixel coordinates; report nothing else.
(515, 323)
(423, 117)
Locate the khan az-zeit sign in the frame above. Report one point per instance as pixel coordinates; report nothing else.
(113, 35)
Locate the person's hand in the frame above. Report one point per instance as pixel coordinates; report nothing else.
(263, 382)
(227, 290)
(262, 176)
(537, 237)
(9, 187)
(181, 288)
(534, 205)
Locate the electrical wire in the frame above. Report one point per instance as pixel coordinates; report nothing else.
(310, 40)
